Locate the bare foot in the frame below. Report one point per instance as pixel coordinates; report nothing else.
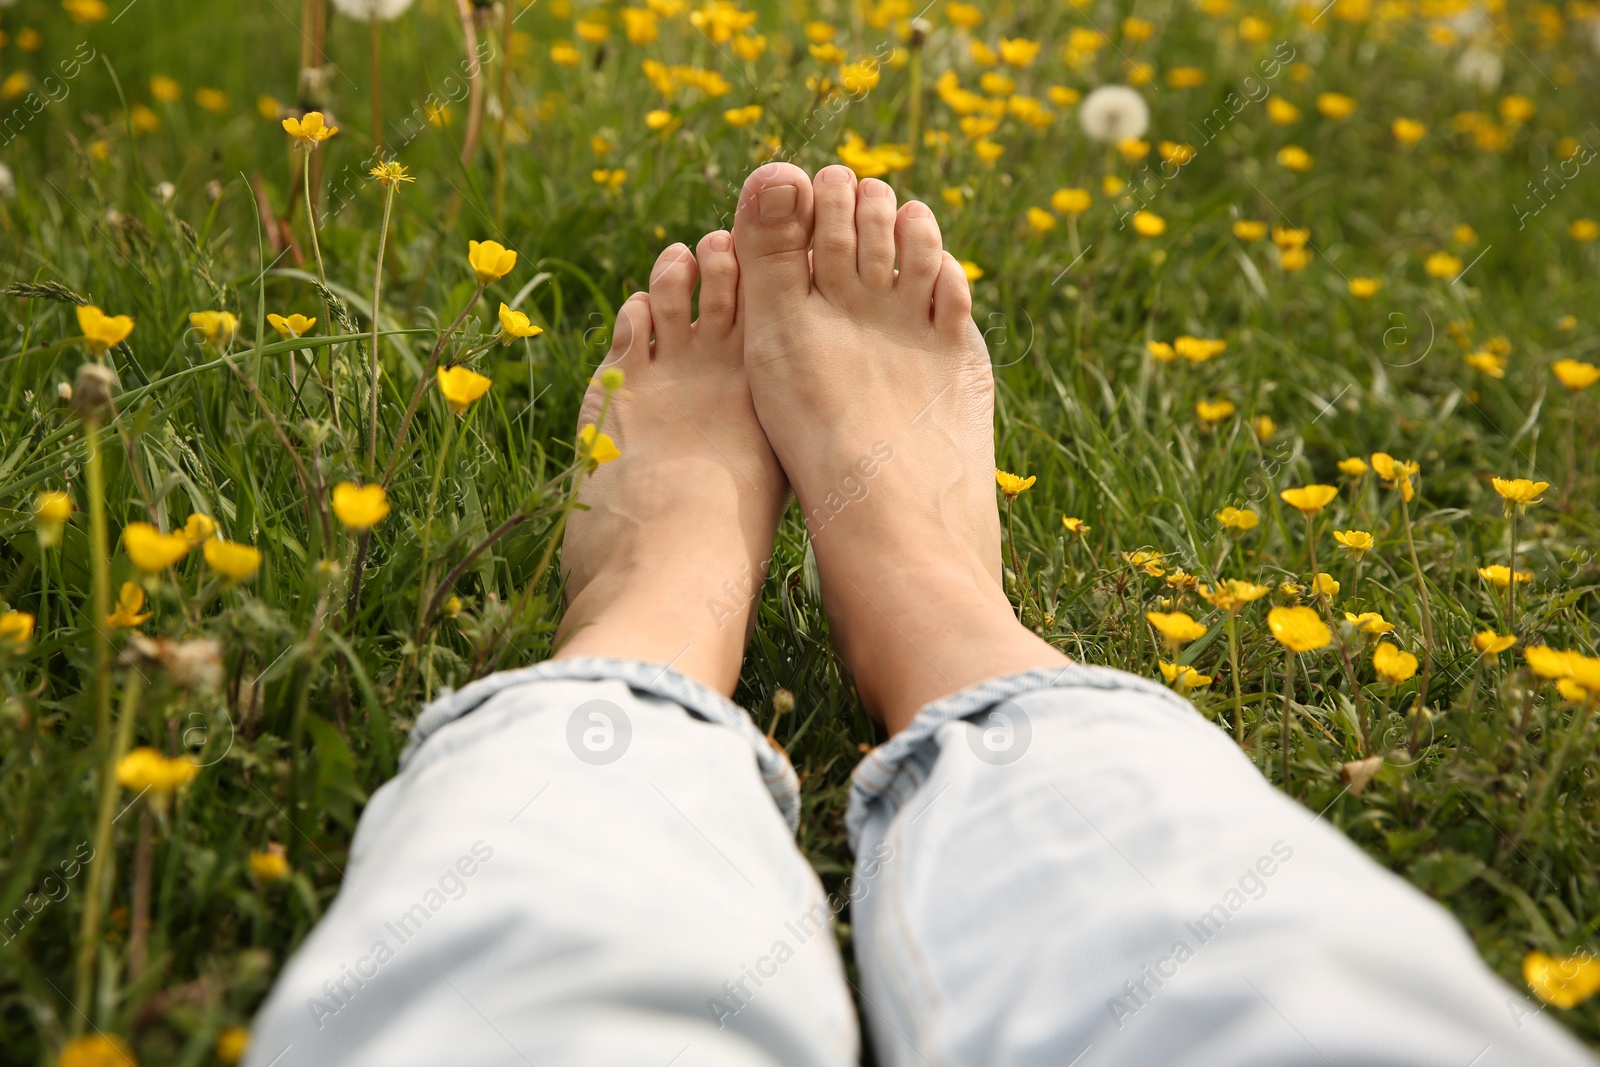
(875, 389)
(666, 564)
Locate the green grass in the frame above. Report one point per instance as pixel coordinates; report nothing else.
(1488, 800)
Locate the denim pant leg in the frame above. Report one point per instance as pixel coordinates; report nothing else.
(595, 866)
(1072, 867)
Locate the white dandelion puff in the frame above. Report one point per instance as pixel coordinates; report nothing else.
(1481, 67)
(1114, 113)
(367, 10)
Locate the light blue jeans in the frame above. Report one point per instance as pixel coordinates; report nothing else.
(591, 862)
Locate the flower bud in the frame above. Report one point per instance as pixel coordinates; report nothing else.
(92, 394)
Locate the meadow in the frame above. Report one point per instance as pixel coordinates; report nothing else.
(1294, 336)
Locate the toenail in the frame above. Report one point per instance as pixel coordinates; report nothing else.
(669, 259)
(720, 242)
(918, 210)
(777, 202)
(835, 175)
(873, 187)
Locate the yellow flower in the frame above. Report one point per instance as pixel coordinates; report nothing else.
(233, 560)
(1395, 474)
(143, 120)
(1290, 236)
(596, 447)
(291, 326)
(151, 550)
(971, 270)
(565, 54)
(460, 386)
(1149, 224)
(1583, 230)
(1442, 265)
(1364, 288)
(1408, 131)
(1183, 678)
(1175, 153)
(1575, 374)
(1186, 77)
(165, 90)
(233, 1041)
(270, 864)
(1233, 594)
(16, 628)
(145, 768)
(1017, 51)
(1500, 575)
(212, 100)
(390, 173)
(1369, 622)
(1198, 349)
(1295, 158)
(1254, 29)
(1335, 105)
(130, 598)
(310, 130)
(101, 331)
(1132, 148)
(1012, 485)
(1263, 427)
(514, 325)
(1074, 525)
(1040, 220)
(85, 11)
(1071, 201)
(97, 1050)
(982, 54)
(1238, 519)
(1213, 411)
(592, 31)
(1160, 351)
(1393, 665)
(217, 327)
(1519, 492)
(198, 529)
(1249, 229)
(746, 46)
(1299, 629)
(1354, 467)
(1566, 324)
(1176, 628)
(1293, 259)
(1310, 499)
(1564, 982)
(1147, 561)
(1325, 585)
(269, 107)
(962, 16)
(490, 260)
(51, 511)
(1063, 96)
(360, 507)
(1489, 643)
(658, 119)
(610, 177)
(1112, 185)
(1516, 108)
(1488, 363)
(1357, 541)
(739, 117)
(1281, 111)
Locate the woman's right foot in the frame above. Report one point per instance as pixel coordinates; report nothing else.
(874, 387)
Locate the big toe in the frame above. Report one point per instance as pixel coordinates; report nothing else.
(772, 234)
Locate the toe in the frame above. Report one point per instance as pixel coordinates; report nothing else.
(719, 284)
(630, 338)
(772, 236)
(875, 235)
(952, 298)
(920, 250)
(671, 286)
(833, 244)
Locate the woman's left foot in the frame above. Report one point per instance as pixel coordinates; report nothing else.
(666, 562)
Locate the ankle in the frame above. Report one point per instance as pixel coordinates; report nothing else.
(922, 634)
(700, 632)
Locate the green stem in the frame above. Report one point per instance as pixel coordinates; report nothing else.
(377, 294)
(100, 860)
(1233, 669)
(1511, 587)
(1288, 714)
(1427, 612)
